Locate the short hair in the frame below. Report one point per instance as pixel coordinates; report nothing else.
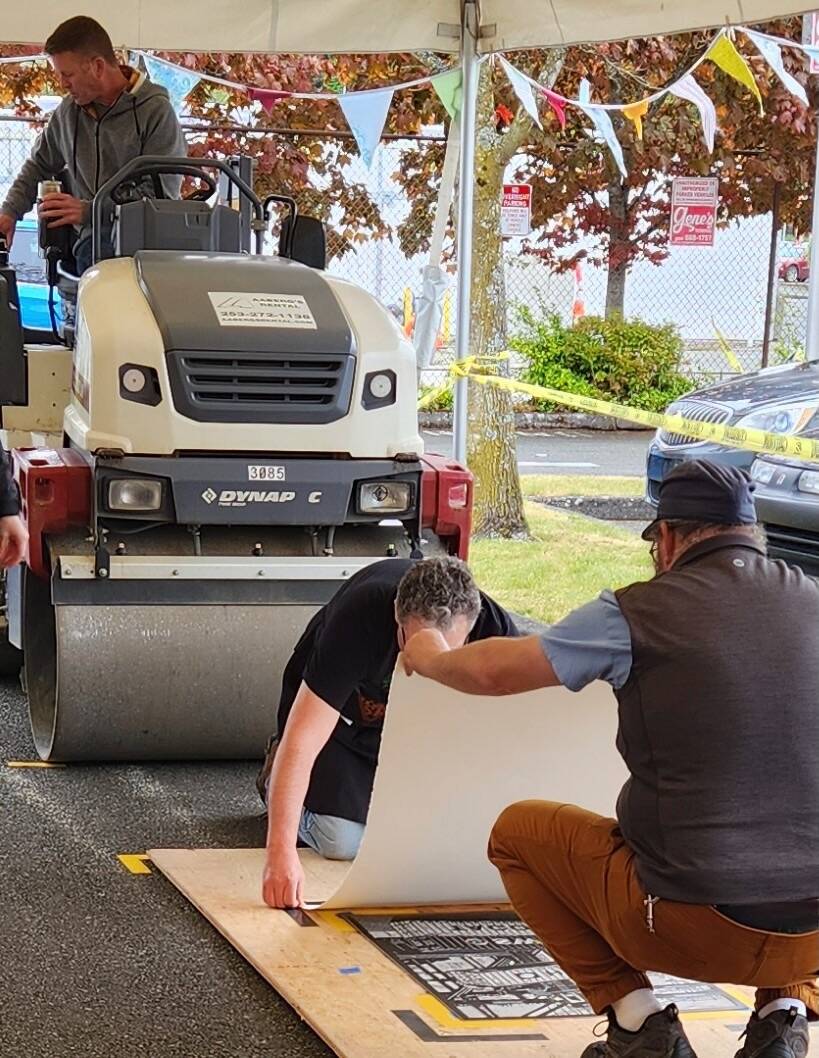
(83, 35)
(695, 531)
(436, 591)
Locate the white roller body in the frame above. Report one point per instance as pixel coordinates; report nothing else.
(115, 326)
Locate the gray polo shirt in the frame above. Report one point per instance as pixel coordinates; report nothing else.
(591, 643)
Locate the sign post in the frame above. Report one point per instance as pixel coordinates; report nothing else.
(516, 210)
(694, 202)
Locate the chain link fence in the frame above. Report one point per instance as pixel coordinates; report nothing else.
(716, 297)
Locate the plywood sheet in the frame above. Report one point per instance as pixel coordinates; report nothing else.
(450, 763)
(352, 994)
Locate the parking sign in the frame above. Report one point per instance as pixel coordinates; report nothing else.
(693, 210)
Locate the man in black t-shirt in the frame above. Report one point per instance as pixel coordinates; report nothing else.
(319, 772)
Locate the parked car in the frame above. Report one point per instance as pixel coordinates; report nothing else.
(787, 503)
(782, 399)
(794, 269)
(31, 277)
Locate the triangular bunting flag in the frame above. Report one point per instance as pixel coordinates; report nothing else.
(268, 97)
(449, 87)
(177, 82)
(558, 105)
(723, 52)
(366, 113)
(689, 89)
(603, 126)
(635, 113)
(523, 90)
(772, 54)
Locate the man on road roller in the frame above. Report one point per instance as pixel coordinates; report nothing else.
(110, 115)
(318, 774)
(711, 869)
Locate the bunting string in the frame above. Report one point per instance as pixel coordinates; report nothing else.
(365, 110)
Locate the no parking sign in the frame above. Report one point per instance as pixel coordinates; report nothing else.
(516, 210)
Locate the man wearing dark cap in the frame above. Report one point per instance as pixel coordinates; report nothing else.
(711, 869)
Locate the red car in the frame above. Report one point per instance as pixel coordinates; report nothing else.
(794, 269)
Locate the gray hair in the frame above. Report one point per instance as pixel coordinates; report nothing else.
(436, 591)
(695, 532)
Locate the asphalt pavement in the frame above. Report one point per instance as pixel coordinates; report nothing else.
(599, 452)
(99, 962)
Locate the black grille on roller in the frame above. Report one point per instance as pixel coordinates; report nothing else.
(261, 387)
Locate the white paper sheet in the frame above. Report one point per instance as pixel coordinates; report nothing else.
(450, 763)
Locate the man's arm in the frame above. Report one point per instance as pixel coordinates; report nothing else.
(45, 161)
(13, 534)
(491, 666)
(591, 643)
(309, 726)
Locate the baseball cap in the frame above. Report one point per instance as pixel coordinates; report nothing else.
(701, 490)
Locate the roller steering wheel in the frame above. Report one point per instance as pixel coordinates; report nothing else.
(128, 190)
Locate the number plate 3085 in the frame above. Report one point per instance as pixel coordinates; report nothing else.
(265, 473)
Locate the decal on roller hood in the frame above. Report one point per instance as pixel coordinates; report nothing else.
(243, 497)
(236, 309)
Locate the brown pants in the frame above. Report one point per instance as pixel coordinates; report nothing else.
(572, 879)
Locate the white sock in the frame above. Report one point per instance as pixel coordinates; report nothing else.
(783, 1004)
(632, 1010)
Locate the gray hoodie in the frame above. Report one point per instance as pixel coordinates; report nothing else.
(83, 151)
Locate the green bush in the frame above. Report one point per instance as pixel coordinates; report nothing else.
(625, 361)
(440, 398)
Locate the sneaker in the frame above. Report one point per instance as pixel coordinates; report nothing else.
(662, 1036)
(782, 1034)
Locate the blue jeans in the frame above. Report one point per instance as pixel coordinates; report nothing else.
(332, 837)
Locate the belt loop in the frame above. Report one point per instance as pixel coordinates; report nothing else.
(649, 903)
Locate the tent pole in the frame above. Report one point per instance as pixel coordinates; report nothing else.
(812, 335)
(469, 106)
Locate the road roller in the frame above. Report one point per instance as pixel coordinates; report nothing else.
(216, 441)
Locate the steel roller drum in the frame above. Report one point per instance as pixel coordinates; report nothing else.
(155, 682)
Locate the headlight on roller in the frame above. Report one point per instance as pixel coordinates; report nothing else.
(134, 494)
(378, 497)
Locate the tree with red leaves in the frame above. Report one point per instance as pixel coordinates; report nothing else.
(580, 194)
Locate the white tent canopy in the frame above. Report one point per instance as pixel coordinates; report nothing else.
(334, 26)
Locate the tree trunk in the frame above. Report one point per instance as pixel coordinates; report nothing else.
(616, 288)
(491, 452)
(618, 254)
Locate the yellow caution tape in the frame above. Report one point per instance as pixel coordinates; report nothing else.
(729, 353)
(731, 436)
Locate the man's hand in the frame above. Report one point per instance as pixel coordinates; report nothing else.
(421, 649)
(13, 541)
(283, 880)
(7, 226)
(61, 209)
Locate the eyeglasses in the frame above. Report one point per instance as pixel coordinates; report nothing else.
(655, 545)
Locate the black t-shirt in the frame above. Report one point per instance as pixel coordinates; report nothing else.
(347, 656)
